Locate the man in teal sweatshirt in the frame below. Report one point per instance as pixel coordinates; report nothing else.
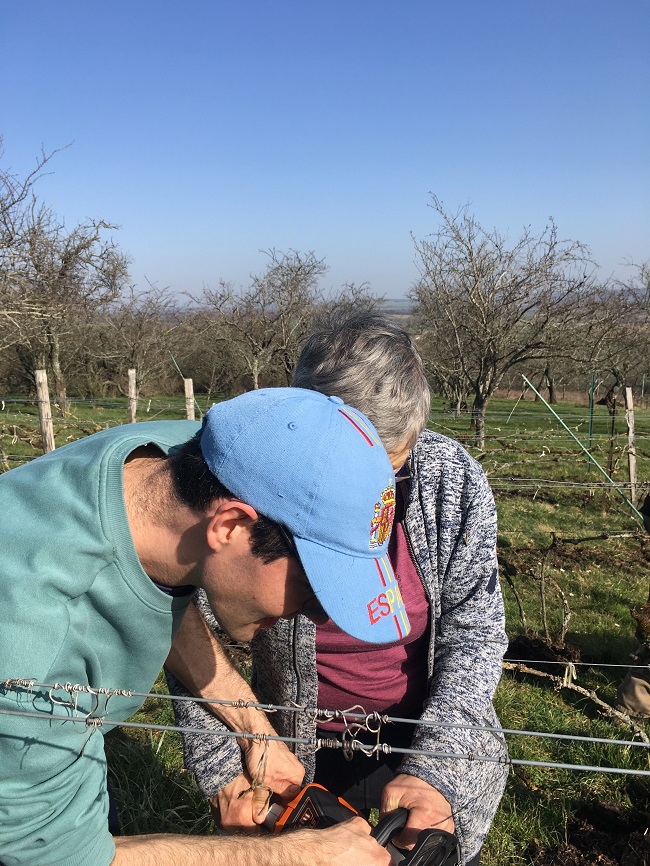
(103, 543)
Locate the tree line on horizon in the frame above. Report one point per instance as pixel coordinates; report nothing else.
(483, 308)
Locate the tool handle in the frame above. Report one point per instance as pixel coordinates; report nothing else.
(433, 847)
(389, 825)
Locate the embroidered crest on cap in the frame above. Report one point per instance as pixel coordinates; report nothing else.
(382, 521)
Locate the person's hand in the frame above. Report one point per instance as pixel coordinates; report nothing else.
(276, 771)
(275, 768)
(234, 813)
(427, 807)
(346, 844)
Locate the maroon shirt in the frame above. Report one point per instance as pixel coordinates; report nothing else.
(387, 678)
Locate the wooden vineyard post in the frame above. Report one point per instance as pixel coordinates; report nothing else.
(44, 411)
(189, 399)
(133, 397)
(631, 447)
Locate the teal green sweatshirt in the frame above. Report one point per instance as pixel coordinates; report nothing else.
(75, 607)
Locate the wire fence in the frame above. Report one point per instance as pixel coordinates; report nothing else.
(517, 441)
(355, 721)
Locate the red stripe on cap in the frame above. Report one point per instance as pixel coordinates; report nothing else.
(399, 630)
(381, 573)
(356, 427)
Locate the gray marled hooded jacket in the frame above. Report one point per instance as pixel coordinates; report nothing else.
(450, 524)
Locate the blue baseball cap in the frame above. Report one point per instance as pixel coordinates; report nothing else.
(317, 466)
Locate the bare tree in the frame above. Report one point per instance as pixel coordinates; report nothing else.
(621, 334)
(50, 276)
(61, 276)
(445, 372)
(16, 195)
(15, 191)
(350, 299)
(267, 322)
(141, 330)
(488, 306)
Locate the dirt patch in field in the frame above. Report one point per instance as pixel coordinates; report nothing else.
(566, 555)
(537, 651)
(602, 835)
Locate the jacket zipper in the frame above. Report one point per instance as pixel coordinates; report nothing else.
(427, 592)
(296, 670)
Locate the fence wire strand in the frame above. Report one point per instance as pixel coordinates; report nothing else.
(361, 720)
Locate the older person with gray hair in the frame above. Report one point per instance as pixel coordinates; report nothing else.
(442, 673)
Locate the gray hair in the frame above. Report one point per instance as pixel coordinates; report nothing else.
(372, 365)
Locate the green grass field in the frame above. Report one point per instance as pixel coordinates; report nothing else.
(557, 519)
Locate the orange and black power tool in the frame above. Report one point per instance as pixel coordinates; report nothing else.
(316, 808)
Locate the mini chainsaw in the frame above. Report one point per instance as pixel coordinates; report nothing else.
(316, 808)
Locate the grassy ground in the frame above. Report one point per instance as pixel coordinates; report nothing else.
(20, 437)
(556, 521)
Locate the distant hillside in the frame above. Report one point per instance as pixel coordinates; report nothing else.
(397, 307)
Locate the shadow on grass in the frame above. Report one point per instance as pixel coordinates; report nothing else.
(606, 647)
(602, 833)
(592, 648)
(570, 822)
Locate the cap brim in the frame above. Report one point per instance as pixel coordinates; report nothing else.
(360, 594)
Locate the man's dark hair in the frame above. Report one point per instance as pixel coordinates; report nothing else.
(196, 487)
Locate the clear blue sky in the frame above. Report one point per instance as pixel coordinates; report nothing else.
(211, 130)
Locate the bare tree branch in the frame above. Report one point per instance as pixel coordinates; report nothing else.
(486, 305)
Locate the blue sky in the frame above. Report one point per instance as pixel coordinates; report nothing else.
(212, 130)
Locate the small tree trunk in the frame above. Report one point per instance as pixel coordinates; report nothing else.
(550, 382)
(211, 386)
(478, 417)
(288, 368)
(456, 397)
(60, 391)
(610, 398)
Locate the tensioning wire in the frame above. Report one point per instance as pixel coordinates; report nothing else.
(317, 714)
(94, 722)
(575, 664)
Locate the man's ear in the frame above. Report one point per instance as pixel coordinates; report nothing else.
(230, 518)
